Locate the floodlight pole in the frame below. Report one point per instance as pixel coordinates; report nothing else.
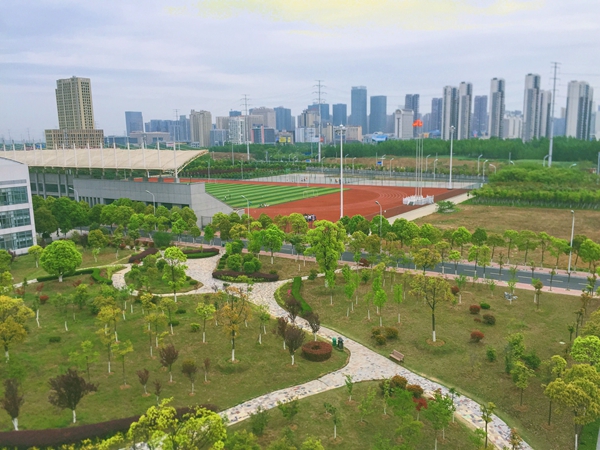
(451, 141)
(478, 158)
(380, 224)
(571, 246)
(76, 193)
(248, 209)
(342, 128)
(153, 201)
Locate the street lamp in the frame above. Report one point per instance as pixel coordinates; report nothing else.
(544, 161)
(380, 224)
(346, 159)
(571, 248)
(434, 167)
(483, 172)
(153, 200)
(342, 129)
(491, 165)
(451, 140)
(511, 162)
(353, 165)
(248, 205)
(426, 162)
(478, 164)
(391, 167)
(572, 165)
(242, 166)
(76, 193)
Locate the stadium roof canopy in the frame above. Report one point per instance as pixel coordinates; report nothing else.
(105, 158)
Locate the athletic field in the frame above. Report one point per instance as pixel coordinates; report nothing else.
(263, 194)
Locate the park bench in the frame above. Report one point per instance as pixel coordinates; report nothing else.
(397, 356)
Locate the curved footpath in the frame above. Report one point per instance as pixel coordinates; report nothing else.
(363, 365)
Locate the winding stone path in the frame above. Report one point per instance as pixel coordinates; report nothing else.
(363, 364)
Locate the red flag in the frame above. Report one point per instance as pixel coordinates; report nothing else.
(418, 123)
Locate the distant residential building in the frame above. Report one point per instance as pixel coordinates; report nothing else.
(222, 122)
(496, 115)
(358, 104)
(307, 134)
(149, 138)
(513, 125)
(263, 135)
(218, 137)
(435, 123)
(465, 102)
(426, 122)
(403, 124)
(531, 107)
(234, 113)
(353, 134)
(283, 119)
(449, 111)
(479, 123)
(307, 119)
(268, 115)
(378, 116)
(134, 121)
(237, 130)
(200, 126)
(340, 114)
(78, 138)
(411, 101)
(545, 113)
(580, 97)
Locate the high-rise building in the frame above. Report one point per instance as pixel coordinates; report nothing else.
(531, 107)
(358, 105)
(403, 124)
(465, 102)
(237, 130)
(579, 110)
(378, 116)
(134, 121)
(234, 113)
(449, 111)
(480, 121)
(308, 119)
(545, 113)
(513, 125)
(496, 115)
(200, 126)
(411, 101)
(340, 114)
(268, 115)
(283, 119)
(435, 123)
(75, 115)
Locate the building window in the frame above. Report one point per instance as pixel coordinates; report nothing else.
(13, 219)
(16, 241)
(13, 196)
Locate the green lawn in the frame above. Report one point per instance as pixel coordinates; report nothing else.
(311, 420)
(262, 368)
(257, 194)
(460, 363)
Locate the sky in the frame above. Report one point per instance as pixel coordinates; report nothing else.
(163, 56)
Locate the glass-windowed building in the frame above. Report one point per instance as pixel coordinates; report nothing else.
(17, 225)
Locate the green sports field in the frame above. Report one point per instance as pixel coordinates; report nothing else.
(261, 194)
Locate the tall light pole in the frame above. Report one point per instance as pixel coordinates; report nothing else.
(451, 140)
(426, 162)
(491, 165)
(434, 167)
(483, 172)
(544, 160)
(572, 232)
(153, 200)
(346, 160)
(380, 224)
(342, 128)
(355, 158)
(76, 193)
(391, 167)
(248, 209)
(572, 165)
(478, 164)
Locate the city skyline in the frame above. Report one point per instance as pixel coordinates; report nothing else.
(135, 69)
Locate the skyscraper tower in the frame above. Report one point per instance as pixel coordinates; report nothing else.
(74, 104)
(340, 114)
(465, 102)
(283, 119)
(134, 121)
(411, 101)
(545, 113)
(378, 116)
(200, 126)
(480, 121)
(496, 115)
(358, 104)
(436, 114)
(449, 111)
(579, 109)
(531, 107)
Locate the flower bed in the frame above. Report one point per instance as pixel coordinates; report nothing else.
(317, 351)
(231, 275)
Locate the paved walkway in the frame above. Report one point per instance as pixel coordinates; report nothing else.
(363, 365)
(427, 210)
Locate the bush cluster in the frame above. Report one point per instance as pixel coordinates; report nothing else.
(474, 309)
(415, 390)
(489, 319)
(382, 334)
(305, 308)
(317, 351)
(138, 257)
(396, 382)
(477, 335)
(230, 275)
(87, 271)
(98, 278)
(484, 305)
(313, 274)
(491, 354)
(194, 327)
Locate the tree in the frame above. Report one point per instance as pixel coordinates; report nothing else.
(326, 242)
(315, 323)
(461, 237)
(84, 359)
(365, 407)
(161, 427)
(479, 236)
(97, 239)
(272, 239)
(36, 251)
(294, 338)
(168, 356)
(122, 350)
(349, 385)
(13, 316)
(190, 370)
(68, 389)
(12, 400)
(174, 271)
(439, 412)
(206, 311)
(143, 377)
(168, 304)
(487, 415)
(397, 297)
(434, 290)
(520, 375)
(206, 367)
(527, 241)
(511, 238)
(209, 233)
(586, 349)
(45, 222)
(263, 316)
(455, 257)
(333, 413)
(110, 314)
(60, 258)
(235, 312)
(538, 286)
(485, 257)
(427, 258)
(495, 240)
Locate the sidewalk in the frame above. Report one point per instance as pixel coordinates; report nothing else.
(427, 210)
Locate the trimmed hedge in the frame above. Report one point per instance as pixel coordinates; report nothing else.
(230, 275)
(140, 256)
(201, 255)
(193, 251)
(86, 271)
(296, 287)
(99, 278)
(317, 351)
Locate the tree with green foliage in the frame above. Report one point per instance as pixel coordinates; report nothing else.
(45, 222)
(485, 257)
(493, 241)
(455, 257)
(520, 375)
(168, 304)
(13, 317)
(272, 239)
(487, 415)
(397, 297)
(461, 237)
(67, 390)
(434, 290)
(36, 251)
(426, 258)
(335, 416)
(365, 406)
(349, 382)
(174, 271)
(60, 258)
(439, 412)
(326, 242)
(206, 311)
(586, 349)
(479, 236)
(122, 349)
(85, 358)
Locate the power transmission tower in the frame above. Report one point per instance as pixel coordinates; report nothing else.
(555, 68)
(247, 120)
(318, 92)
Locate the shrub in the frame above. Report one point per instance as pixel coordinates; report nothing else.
(98, 278)
(391, 333)
(305, 308)
(43, 299)
(380, 340)
(376, 331)
(313, 274)
(491, 354)
(200, 251)
(160, 264)
(174, 323)
(54, 339)
(477, 335)
(180, 311)
(317, 351)
(455, 290)
(230, 275)
(194, 327)
(162, 239)
(484, 305)
(385, 332)
(248, 267)
(531, 360)
(273, 272)
(259, 420)
(415, 390)
(398, 382)
(474, 309)
(477, 319)
(489, 319)
(201, 255)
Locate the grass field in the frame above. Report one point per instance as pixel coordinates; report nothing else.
(460, 363)
(257, 194)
